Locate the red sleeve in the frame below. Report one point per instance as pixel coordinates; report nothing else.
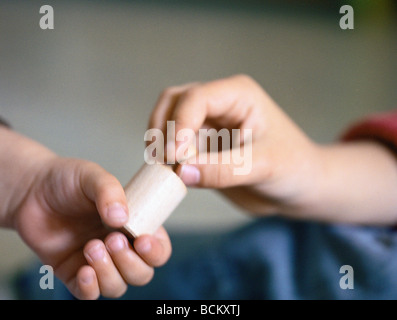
(381, 127)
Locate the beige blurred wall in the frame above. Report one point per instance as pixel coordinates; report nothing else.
(86, 88)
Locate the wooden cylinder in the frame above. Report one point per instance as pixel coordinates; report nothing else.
(152, 195)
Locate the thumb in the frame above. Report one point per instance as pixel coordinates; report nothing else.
(107, 193)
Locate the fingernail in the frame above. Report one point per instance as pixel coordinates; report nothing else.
(190, 175)
(116, 243)
(117, 213)
(96, 253)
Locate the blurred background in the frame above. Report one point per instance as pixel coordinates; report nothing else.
(86, 88)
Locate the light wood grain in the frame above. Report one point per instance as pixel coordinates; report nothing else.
(152, 195)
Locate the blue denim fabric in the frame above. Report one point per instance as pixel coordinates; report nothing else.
(271, 258)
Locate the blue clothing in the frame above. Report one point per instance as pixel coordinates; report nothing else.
(270, 258)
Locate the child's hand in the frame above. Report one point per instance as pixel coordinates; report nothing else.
(290, 173)
(64, 209)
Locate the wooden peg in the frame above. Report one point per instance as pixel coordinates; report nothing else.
(152, 195)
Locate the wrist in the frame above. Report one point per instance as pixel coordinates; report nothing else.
(21, 162)
(305, 181)
(356, 184)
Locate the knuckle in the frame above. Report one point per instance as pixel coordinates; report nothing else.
(192, 93)
(244, 78)
(167, 92)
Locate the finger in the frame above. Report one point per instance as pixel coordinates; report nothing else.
(87, 284)
(107, 192)
(111, 283)
(78, 277)
(156, 249)
(165, 106)
(225, 169)
(133, 269)
(228, 100)
(162, 114)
